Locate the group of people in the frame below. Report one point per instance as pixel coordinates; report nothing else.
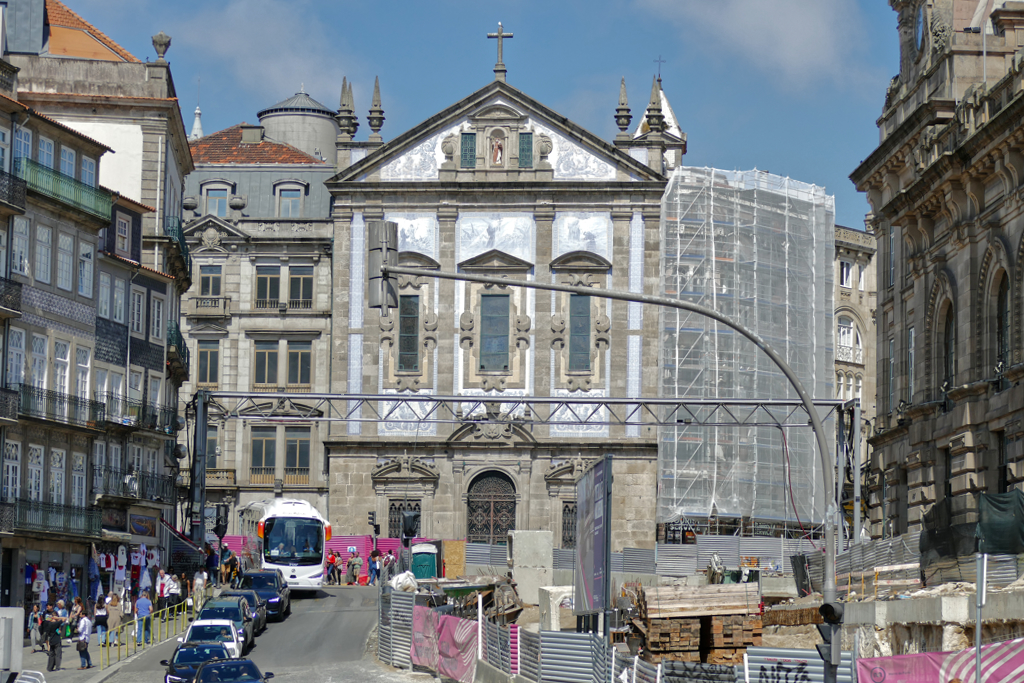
(50, 625)
(223, 567)
(380, 568)
(49, 628)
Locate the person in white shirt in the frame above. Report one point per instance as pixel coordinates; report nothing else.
(163, 587)
(199, 587)
(174, 591)
(82, 641)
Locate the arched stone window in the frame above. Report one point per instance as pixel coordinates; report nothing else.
(1002, 323)
(491, 510)
(848, 346)
(948, 349)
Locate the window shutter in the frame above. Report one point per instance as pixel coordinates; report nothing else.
(469, 150)
(525, 150)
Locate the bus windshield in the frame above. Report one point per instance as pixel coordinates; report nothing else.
(293, 541)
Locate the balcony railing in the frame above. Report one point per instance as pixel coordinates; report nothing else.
(59, 407)
(128, 484)
(119, 409)
(296, 476)
(219, 477)
(177, 351)
(172, 229)
(210, 306)
(63, 188)
(9, 402)
(849, 354)
(305, 304)
(268, 303)
(10, 295)
(158, 418)
(265, 388)
(12, 190)
(36, 516)
(261, 475)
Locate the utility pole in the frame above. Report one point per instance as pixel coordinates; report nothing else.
(382, 257)
(198, 516)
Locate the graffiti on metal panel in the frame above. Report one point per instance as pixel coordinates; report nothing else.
(785, 672)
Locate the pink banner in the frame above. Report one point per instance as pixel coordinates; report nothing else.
(456, 649)
(444, 644)
(999, 662)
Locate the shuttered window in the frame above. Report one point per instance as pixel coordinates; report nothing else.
(469, 150)
(579, 333)
(494, 331)
(408, 334)
(525, 150)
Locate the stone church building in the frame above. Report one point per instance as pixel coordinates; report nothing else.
(498, 184)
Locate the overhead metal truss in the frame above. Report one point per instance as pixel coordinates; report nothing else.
(525, 410)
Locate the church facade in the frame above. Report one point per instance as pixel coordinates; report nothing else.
(498, 184)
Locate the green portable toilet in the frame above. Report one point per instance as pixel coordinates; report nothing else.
(424, 561)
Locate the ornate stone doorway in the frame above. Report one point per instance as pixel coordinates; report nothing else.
(492, 508)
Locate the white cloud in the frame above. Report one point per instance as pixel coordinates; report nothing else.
(267, 47)
(797, 43)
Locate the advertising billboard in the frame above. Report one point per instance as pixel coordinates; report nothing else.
(593, 538)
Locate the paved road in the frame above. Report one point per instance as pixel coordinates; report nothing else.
(323, 641)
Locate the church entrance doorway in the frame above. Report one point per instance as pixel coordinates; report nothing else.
(492, 508)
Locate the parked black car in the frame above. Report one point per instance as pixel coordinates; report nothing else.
(272, 587)
(257, 604)
(187, 657)
(241, 670)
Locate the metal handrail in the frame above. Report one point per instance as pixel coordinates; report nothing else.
(131, 484)
(36, 515)
(59, 407)
(64, 188)
(175, 339)
(10, 294)
(12, 189)
(172, 229)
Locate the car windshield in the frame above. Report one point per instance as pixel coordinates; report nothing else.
(225, 612)
(187, 656)
(211, 633)
(293, 540)
(251, 596)
(229, 671)
(259, 582)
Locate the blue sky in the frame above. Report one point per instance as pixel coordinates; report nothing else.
(790, 86)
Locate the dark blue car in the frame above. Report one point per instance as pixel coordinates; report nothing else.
(181, 667)
(272, 588)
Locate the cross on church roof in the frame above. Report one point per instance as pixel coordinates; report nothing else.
(659, 61)
(499, 68)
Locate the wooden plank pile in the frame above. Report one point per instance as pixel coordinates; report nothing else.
(713, 624)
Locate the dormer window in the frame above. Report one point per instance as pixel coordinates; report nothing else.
(290, 203)
(217, 202)
(67, 161)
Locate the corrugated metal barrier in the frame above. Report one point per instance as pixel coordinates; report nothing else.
(529, 655)
(777, 664)
(384, 651)
(567, 657)
(401, 629)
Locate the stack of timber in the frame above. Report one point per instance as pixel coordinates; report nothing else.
(663, 602)
(731, 636)
(713, 624)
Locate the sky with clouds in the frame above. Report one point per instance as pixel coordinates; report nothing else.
(789, 86)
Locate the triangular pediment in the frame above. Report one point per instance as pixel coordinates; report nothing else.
(197, 226)
(208, 330)
(581, 261)
(496, 260)
(414, 259)
(575, 153)
(209, 233)
(281, 407)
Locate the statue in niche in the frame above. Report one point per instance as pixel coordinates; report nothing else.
(497, 150)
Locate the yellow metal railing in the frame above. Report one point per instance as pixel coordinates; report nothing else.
(163, 625)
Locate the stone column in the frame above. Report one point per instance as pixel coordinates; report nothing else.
(447, 323)
(543, 218)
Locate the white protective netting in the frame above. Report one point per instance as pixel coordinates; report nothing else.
(759, 248)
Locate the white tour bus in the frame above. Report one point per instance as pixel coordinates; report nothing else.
(290, 535)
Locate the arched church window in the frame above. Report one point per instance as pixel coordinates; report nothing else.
(949, 348)
(492, 508)
(1003, 323)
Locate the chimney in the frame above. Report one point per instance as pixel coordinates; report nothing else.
(251, 135)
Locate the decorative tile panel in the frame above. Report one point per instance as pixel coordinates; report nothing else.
(58, 305)
(582, 231)
(635, 311)
(63, 328)
(634, 374)
(416, 232)
(479, 232)
(355, 375)
(577, 430)
(357, 256)
(571, 161)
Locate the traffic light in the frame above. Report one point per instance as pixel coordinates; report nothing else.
(382, 240)
(831, 649)
(376, 529)
(410, 526)
(371, 517)
(220, 527)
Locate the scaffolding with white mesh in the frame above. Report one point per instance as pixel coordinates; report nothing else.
(758, 248)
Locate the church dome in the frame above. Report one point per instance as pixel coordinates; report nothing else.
(304, 123)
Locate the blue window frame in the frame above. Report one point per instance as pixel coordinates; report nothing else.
(494, 328)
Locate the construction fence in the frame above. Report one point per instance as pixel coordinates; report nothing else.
(416, 637)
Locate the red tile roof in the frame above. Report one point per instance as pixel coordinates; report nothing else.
(226, 147)
(54, 122)
(59, 14)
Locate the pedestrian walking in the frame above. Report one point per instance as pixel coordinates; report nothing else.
(100, 621)
(82, 642)
(332, 568)
(35, 623)
(173, 591)
(115, 615)
(162, 589)
(52, 629)
(374, 568)
(143, 610)
(353, 567)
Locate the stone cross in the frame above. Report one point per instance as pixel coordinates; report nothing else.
(659, 61)
(499, 68)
